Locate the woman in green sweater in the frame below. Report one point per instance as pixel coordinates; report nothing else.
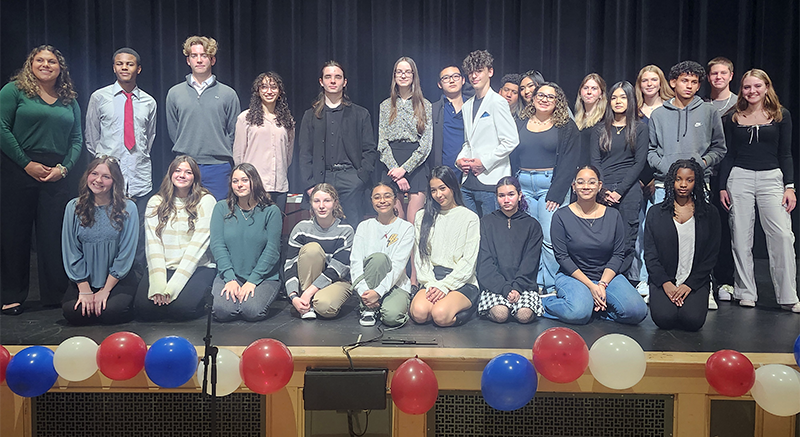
(40, 137)
(245, 241)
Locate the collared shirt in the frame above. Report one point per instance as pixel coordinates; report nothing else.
(334, 148)
(452, 135)
(105, 134)
(200, 87)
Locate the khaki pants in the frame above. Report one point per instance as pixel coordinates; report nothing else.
(311, 262)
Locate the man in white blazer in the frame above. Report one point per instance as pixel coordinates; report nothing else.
(490, 135)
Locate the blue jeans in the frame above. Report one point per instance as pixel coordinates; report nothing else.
(535, 185)
(216, 178)
(574, 304)
(480, 202)
(657, 197)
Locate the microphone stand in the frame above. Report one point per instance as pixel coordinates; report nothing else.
(210, 355)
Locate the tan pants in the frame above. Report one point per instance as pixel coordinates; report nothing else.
(311, 261)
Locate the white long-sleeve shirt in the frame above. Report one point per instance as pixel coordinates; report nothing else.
(454, 241)
(396, 240)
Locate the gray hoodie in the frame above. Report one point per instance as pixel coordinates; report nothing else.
(682, 133)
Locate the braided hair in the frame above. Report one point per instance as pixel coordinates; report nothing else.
(698, 192)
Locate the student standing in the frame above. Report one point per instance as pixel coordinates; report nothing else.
(448, 121)
(509, 90)
(590, 108)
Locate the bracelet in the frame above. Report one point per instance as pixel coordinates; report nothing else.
(789, 186)
(603, 283)
(85, 294)
(62, 169)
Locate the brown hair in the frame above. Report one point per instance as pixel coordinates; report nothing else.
(328, 188)
(319, 103)
(209, 45)
(417, 99)
(582, 118)
(27, 82)
(85, 207)
(166, 209)
(561, 110)
(771, 103)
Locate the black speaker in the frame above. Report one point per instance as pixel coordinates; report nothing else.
(345, 389)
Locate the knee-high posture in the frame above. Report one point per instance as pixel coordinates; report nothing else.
(445, 253)
(681, 245)
(589, 244)
(245, 242)
(508, 260)
(40, 137)
(265, 136)
(179, 266)
(381, 249)
(317, 268)
(98, 243)
(545, 162)
(619, 149)
(759, 172)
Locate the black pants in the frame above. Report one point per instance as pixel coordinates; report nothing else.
(690, 317)
(280, 200)
(24, 202)
(352, 194)
(190, 303)
(723, 271)
(628, 208)
(119, 306)
(140, 260)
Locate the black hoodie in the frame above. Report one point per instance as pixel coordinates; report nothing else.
(508, 258)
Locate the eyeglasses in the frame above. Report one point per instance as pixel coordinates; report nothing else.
(450, 77)
(590, 182)
(400, 73)
(264, 87)
(545, 97)
(388, 196)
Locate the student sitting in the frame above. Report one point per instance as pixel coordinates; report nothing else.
(381, 249)
(447, 242)
(508, 260)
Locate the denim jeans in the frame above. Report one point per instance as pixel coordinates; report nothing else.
(480, 202)
(647, 202)
(535, 185)
(574, 304)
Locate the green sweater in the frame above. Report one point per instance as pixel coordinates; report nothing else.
(29, 125)
(246, 249)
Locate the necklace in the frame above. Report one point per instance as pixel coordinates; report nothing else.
(619, 129)
(541, 123)
(728, 100)
(244, 216)
(587, 216)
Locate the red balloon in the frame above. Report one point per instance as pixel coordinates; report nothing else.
(414, 387)
(5, 357)
(730, 373)
(560, 355)
(266, 366)
(121, 355)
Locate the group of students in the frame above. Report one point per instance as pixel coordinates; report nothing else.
(475, 238)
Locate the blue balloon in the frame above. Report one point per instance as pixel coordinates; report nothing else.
(508, 382)
(171, 362)
(30, 372)
(797, 350)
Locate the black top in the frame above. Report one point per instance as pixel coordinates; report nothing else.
(567, 157)
(620, 166)
(764, 147)
(508, 258)
(591, 245)
(537, 149)
(476, 105)
(585, 142)
(333, 137)
(661, 247)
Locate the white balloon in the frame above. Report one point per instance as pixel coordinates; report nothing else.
(228, 378)
(617, 361)
(75, 358)
(777, 389)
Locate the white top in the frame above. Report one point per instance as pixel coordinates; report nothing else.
(396, 240)
(454, 241)
(685, 250)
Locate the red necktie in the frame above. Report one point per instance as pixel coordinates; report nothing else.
(130, 137)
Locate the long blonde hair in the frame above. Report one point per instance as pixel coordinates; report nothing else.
(584, 119)
(166, 209)
(664, 91)
(26, 81)
(771, 103)
(417, 99)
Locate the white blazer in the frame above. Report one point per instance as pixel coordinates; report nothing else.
(490, 137)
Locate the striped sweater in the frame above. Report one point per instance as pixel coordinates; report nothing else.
(177, 249)
(336, 241)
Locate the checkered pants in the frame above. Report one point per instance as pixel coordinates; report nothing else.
(527, 299)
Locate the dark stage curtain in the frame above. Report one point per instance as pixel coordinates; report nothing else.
(565, 39)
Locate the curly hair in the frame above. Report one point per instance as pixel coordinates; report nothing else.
(27, 82)
(630, 119)
(432, 207)
(166, 208)
(417, 99)
(85, 207)
(209, 45)
(477, 60)
(687, 67)
(584, 119)
(389, 186)
(561, 111)
(257, 191)
(772, 105)
(319, 102)
(331, 191)
(255, 116)
(510, 78)
(664, 91)
(511, 180)
(698, 192)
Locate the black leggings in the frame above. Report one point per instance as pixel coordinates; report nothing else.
(190, 303)
(119, 306)
(690, 317)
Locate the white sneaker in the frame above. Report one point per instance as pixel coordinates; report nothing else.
(643, 288)
(795, 308)
(367, 318)
(726, 293)
(747, 303)
(310, 315)
(712, 304)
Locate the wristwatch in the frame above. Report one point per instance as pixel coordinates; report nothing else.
(62, 169)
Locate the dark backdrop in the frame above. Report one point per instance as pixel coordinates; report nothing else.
(564, 39)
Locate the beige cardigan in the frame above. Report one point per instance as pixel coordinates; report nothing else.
(268, 147)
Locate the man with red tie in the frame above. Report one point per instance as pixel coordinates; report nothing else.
(121, 122)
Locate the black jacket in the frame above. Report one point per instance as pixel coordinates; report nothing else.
(358, 139)
(508, 258)
(661, 247)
